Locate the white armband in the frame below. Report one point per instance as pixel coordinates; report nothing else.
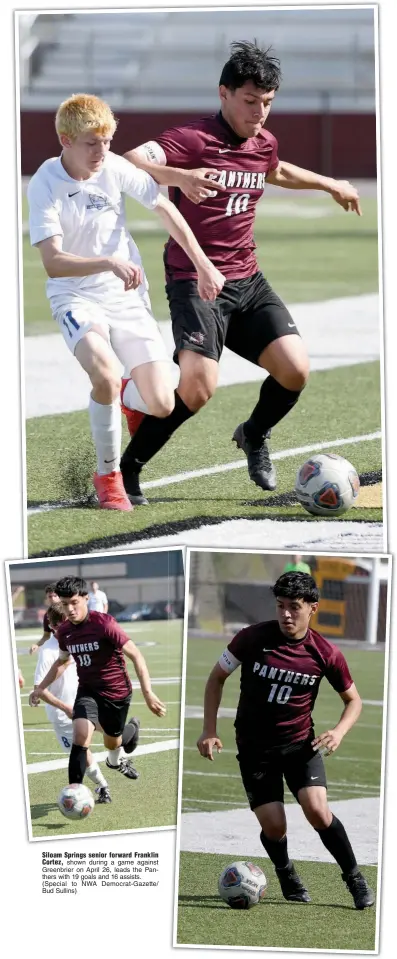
(228, 662)
(154, 152)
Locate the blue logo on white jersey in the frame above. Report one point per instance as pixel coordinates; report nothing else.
(97, 202)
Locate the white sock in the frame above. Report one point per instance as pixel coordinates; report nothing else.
(132, 398)
(106, 433)
(114, 755)
(94, 773)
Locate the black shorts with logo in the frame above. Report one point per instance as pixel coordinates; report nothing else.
(246, 316)
(263, 773)
(110, 714)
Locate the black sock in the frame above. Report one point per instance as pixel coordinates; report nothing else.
(335, 839)
(77, 763)
(275, 401)
(277, 850)
(152, 435)
(130, 736)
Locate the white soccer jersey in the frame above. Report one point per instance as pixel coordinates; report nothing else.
(90, 217)
(97, 601)
(64, 688)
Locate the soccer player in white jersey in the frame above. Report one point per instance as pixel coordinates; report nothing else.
(58, 701)
(97, 599)
(96, 285)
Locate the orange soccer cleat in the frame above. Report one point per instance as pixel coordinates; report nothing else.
(134, 417)
(110, 491)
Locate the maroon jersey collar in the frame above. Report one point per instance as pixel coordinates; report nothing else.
(234, 138)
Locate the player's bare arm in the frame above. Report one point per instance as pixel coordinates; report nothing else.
(193, 183)
(209, 740)
(332, 738)
(57, 263)
(47, 697)
(53, 674)
(209, 280)
(40, 642)
(296, 178)
(152, 701)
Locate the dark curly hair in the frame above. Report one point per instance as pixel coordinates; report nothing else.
(249, 62)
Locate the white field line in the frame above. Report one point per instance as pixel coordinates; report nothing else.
(234, 465)
(52, 764)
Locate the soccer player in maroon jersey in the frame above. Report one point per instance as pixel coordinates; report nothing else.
(50, 598)
(98, 646)
(282, 664)
(247, 316)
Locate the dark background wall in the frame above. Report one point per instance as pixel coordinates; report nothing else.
(339, 144)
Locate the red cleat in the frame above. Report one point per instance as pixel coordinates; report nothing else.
(110, 491)
(134, 417)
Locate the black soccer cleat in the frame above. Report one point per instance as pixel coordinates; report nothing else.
(260, 468)
(125, 767)
(103, 795)
(292, 886)
(132, 488)
(130, 737)
(362, 894)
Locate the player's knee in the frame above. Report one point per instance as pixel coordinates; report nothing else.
(318, 816)
(200, 390)
(162, 405)
(296, 376)
(106, 382)
(274, 831)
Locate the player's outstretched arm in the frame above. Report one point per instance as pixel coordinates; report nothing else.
(57, 263)
(193, 183)
(53, 674)
(152, 701)
(209, 740)
(332, 738)
(296, 178)
(209, 280)
(40, 642)
(51, 700)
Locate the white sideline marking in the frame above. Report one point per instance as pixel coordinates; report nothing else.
(238, 464)
(53, 764)
(235, 833)
(234, 465)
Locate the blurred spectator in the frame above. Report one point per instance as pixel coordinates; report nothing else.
(50, 597)
(97, 599)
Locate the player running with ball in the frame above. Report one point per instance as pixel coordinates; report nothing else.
(98, 646)
(247, 315)
(282, 664)
(96, 285)
(59, 697)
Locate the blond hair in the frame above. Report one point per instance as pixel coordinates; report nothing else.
(83, 113)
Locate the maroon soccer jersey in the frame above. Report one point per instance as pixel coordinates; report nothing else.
(96, 646)
(224, 223)
(279, 683)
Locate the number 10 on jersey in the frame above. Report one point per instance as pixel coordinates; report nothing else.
(237, 203)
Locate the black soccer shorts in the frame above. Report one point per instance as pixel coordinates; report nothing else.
(110, 714)
(246, 316)
(263, 774)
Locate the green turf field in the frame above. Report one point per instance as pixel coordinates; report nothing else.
(148, 802)
(309, 256)
(330, 921)
(202, 443)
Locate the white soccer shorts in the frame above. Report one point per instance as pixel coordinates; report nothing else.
(127, 323)
(64, 734)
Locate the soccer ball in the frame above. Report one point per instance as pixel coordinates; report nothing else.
(76, 801)
(327, 485)
(242, 885)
